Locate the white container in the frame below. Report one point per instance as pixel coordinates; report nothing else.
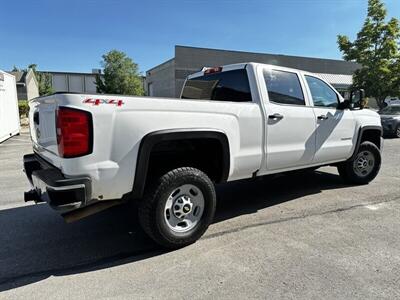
(9, 114)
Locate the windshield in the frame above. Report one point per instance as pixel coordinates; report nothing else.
(390, 110)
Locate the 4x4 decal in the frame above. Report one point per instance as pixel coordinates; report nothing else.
(96, 101)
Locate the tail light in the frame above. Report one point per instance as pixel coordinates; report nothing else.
(74, 132)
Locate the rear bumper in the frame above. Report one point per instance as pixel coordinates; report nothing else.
(50, 185)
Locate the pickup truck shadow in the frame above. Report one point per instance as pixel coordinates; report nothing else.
(249, 196)
(35, 243)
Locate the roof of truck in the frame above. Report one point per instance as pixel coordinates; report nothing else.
(230, 67)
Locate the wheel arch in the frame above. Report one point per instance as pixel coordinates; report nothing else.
(151, 140)
(368, 133)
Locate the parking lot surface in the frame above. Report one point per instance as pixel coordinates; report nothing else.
(303, 236)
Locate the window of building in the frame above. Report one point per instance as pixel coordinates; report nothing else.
(223, 86)
(322, 94)
(283, 87)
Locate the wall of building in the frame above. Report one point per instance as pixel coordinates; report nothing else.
(160, 80)
(27, 84)
(73, 82)
(32, 88)
(77, 82)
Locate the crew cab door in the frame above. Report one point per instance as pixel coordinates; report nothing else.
(335, 131)
(290, 123)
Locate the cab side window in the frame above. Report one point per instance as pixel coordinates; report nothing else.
(283, 87)
(322, 94)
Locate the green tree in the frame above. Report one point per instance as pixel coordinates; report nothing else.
(376, 49)
(44, 81)
(397, 79)
(121, 75)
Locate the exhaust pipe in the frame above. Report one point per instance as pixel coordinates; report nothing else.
(32, 195)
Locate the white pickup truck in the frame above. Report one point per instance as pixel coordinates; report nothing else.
(232, 122)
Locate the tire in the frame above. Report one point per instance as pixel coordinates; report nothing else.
(158, 211)
(397, 132)
(363, 167)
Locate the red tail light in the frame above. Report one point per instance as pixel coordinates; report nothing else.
(74, 132)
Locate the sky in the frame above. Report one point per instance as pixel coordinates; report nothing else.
(72, 35)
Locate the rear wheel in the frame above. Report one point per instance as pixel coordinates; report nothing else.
(363, 167)
(178, 208)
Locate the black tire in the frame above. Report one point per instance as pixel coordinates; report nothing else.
(152, 207)
(347, 171)
(397, 132)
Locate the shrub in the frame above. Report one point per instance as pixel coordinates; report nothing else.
(23, 108)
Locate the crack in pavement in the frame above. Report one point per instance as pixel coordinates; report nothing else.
(260, 224)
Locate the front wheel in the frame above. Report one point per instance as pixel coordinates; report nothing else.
(364, 167)
(397, 133)
(178, 208)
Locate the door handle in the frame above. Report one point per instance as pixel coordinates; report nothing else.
(322, 117)
(275, 117)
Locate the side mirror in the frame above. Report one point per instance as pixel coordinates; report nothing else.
(357, 99)
(344, 105)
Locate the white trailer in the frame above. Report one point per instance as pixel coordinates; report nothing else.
(9, 114)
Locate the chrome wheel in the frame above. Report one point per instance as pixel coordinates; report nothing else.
(398, 132)
(184, 208)
(364, 163)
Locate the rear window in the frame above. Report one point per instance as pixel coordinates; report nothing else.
(224, 86)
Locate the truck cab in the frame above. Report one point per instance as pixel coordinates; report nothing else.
(306, 122)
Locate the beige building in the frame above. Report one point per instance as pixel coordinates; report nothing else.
(27, 84)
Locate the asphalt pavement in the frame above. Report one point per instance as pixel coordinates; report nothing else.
(297, 236)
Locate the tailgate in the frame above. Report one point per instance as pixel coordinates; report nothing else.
(42, 122)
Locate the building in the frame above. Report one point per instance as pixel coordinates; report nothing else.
(74, 82)
(167, 79)
(71, 82)
(28, 87)
(27, 84)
